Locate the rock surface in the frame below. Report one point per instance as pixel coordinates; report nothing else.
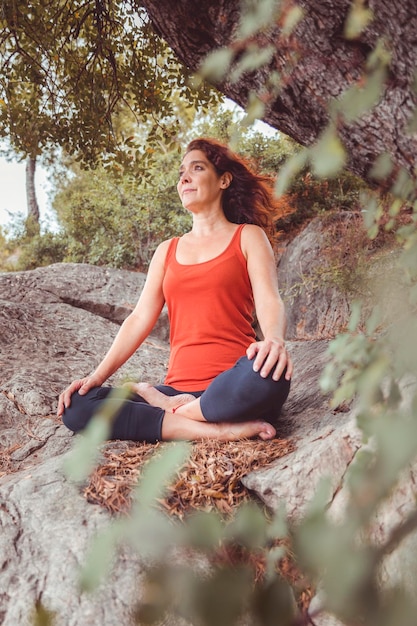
(46, 527)
(316, 309)
(55, 324)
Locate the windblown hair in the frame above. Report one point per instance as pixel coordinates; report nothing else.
(249, 199)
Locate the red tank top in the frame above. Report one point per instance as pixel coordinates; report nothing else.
(210, 307)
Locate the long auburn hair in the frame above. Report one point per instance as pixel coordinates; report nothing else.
(249, 199)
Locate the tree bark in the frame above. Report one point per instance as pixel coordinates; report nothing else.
(32, 202)
(316, 64)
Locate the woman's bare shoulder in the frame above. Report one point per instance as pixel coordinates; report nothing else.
(252, 231)
(159, 256)
(162, 248)
(253, 235)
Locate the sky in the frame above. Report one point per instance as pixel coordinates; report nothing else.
(13, 190)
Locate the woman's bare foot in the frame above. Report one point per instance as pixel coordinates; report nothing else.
(246, 430)
(179, 427)
(159, 399)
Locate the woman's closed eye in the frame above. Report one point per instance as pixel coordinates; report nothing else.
(195, 168)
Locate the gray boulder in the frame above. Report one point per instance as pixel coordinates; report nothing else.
(46, 529)
(55, 325)
(316, 308)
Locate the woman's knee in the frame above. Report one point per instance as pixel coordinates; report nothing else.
(255, 386)
(82, 408)
(241, 393)
(264, 393)
(74, 417)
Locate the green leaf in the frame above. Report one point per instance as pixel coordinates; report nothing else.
(278, 528)
(254, 110)
(382, 167)
(413, 295)
(257, 15)
(403, 338)
(344, 393)
(355, 316)
(274, 597)
(204, 530)
(292, 18)
(373, 231)
(220, 598)
(159, 471)
(249, 526)
(364, 458)
(328, 155)
(396, 207)
(379, 57)
(343, 585)
(253, 58)
(357, 20)
(371, 378)
(216, 64)
(318, 504)
(328, 378)
(404, 186)
(273, 557)
(360, 98)
(373, 320)
(289, 171)
(82, 459)
(372, 211)
(397, 443)
(100, 556)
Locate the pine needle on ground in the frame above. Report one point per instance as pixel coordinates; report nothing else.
(210, 479)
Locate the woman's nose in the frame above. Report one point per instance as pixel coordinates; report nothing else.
(185, 177)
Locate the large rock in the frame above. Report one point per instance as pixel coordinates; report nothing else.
(55, 324)
(106, 292)
(326, 439)
(316, 308)
(46, 528)
(330, 263)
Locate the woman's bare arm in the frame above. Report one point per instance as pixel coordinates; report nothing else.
(131, 334)
(270, 311)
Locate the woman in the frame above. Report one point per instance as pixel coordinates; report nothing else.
(221, 382)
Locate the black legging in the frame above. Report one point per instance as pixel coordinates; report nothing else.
(237, 395)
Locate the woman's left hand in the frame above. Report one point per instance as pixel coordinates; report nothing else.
(270, 353)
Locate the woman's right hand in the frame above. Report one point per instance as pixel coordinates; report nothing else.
(82, 385)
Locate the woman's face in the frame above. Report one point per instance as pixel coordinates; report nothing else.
(199, 185)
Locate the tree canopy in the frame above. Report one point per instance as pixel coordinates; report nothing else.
(335, 67)
(67, 69)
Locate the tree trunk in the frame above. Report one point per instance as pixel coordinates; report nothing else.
(32, 202)
(316, 64)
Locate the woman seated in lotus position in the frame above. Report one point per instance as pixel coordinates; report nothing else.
(221, 382)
